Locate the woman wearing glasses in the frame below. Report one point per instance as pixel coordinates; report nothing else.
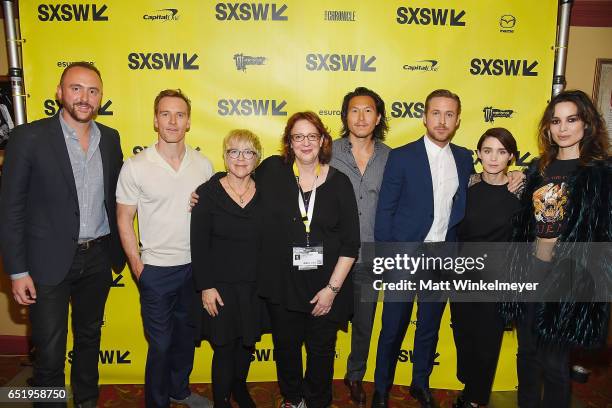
(310, 240)
(224, 245)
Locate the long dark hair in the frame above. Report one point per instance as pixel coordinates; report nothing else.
(594, 144)
(382, 128)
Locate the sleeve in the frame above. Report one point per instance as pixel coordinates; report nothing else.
(128, 191)
(349, 219)
(16, 174)
(388, 198)
(201, 230)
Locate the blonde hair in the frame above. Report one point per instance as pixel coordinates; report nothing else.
(243, 136)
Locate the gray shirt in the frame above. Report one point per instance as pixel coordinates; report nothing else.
(366, 186)
(89, 180)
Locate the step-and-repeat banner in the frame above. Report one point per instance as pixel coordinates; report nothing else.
(252, 64)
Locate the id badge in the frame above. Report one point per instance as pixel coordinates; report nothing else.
(309, 257)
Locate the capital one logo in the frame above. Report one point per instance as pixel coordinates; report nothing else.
(250, 11)
(72, 12)
(430, 16)
(340, 62)
(507, 67)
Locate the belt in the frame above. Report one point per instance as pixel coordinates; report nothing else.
(84, 246)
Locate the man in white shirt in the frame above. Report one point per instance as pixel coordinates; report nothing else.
(422, 199)
(156, 184)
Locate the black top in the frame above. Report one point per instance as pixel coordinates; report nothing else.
(335, 224)
(488, 213)
(550, 199)
(224, 237)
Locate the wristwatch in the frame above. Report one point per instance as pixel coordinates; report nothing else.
(334, 289)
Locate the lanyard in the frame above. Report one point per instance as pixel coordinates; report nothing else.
(306, 213)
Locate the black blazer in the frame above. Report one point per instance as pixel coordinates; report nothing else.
(39, 209)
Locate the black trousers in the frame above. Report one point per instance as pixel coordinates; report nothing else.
(478, 330)
(230, 369)
(364, 309)
(289, 331)
(541, 365)
(86, 288)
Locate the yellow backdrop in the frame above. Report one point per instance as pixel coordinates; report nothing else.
(250, 65)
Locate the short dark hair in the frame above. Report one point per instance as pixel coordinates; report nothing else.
(80, 64)
(382, 128)
(172, 93)
(443, 93)
(325, 152)
(504, 137)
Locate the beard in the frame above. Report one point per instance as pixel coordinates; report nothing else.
(79, 116)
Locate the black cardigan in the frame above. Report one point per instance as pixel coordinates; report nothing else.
(335, 224)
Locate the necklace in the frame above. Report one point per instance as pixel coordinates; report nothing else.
(246, 190)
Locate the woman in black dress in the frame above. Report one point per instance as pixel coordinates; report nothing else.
(224, 247)
(477, 326)
(310, 230)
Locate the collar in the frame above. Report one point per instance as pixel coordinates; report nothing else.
(153, 155)
(433, 148)
(69, 132)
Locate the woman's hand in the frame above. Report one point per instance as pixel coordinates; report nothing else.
(193, 200)
(515, 180)
(210, 298)
(323, 301)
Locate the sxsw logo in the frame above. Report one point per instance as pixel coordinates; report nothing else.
(250, 11)
(340, 62)
(107, 357)
(72, 12)
(52, 106)
(163, 60)
(507, 23)
(423, 65)
(430, 16)
(490, 113)
(167, 14)
(251, 107)
(117, 282)
(263, 355)
(242, 61)
(497, 67)
(412, 110)
(408, 355)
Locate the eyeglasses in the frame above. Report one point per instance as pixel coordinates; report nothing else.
(246, 154)
(299, 137)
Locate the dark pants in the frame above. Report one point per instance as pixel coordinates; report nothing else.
(230, 368)
(364, 309)
(478, 330)
(166, 299)
(395, 320)
(540, 365)
(86, 288)
(289, 331)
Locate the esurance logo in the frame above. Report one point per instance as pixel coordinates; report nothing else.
(163, 60)
(251, 107)
(339, 15)
(242, 61)
(340, 62)
(250, 11)
(404, 109)
(167, 14)
(72, 12)
(491, 113)
(423, 65)
(497, 67)
(507, 23)
(430, 16)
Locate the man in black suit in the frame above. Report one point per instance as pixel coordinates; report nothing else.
(59, 232)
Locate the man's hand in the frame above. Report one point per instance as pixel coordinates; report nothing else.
(193, 200)
(24, 291)
(210, 298)
(515, 181)
(137, 267)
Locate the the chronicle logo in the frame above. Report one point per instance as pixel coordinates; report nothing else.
(491, 113)
(430, 16)
(242, 61)
(339, 15)
(423, 65)
(72, 12)
(167, 14)
(497, 67)
(250, 11)
(340, 62)
(507, 23)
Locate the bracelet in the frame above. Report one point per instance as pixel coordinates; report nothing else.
(334, 289)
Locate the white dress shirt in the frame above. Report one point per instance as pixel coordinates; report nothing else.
(445, 182)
